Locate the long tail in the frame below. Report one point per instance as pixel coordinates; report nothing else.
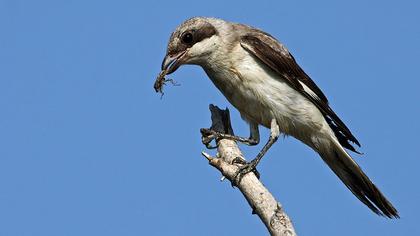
(356, 180)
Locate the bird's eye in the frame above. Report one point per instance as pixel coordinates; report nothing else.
(187, 38)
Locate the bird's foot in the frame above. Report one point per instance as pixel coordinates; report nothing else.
(208, 135)
(246, 168)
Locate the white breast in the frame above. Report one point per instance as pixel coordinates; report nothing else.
(260, 94)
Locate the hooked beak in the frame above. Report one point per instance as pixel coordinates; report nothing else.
(172, 62)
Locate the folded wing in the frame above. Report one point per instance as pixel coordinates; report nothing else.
(277, 57)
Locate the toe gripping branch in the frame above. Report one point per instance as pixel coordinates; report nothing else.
(230, 160)
(220, 127)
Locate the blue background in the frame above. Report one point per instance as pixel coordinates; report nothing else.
(88, 148)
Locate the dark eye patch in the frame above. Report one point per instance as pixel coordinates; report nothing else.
(191, 37)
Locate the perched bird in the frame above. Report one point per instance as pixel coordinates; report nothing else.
(260, 77)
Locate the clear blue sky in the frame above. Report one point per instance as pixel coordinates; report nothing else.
(88, 148)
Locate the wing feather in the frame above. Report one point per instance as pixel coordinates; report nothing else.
(277, 57)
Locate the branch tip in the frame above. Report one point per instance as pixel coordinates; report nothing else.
(207, 156)
(259, 198)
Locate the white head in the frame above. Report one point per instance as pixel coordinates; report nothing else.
(191, 43)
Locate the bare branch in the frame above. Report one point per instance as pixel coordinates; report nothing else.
(259, 198)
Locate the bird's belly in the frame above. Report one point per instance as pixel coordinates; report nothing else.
(260, 95)
(242, 96)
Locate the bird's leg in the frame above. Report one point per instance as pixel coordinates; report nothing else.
(249, 167)
(207, 135)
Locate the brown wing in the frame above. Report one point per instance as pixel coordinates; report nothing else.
(278, 58)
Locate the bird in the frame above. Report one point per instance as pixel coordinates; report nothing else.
(259, 76)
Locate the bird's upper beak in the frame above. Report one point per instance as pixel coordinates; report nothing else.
(172, 62)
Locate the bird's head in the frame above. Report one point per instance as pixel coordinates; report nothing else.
(191, 43)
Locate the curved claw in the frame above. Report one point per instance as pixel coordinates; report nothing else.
(207, 136)
(243, 170)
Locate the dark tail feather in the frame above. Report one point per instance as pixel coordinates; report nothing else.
(357, 181)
